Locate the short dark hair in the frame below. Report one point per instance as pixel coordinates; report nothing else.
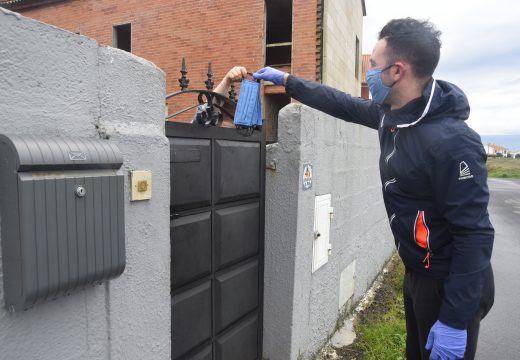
(415, 41)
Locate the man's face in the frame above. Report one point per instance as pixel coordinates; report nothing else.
(379, 60)
(390, 75)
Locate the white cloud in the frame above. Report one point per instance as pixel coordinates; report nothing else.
(480, 52)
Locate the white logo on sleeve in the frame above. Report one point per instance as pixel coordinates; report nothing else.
(464, 171)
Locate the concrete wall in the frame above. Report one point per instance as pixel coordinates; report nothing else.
(343, 22)
(302, 308)
(57, 83)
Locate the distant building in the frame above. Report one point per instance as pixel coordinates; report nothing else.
(316, 39)
(365, 92)
(493, 150)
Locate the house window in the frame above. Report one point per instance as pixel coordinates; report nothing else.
(122, 37)
(357, 58)
(273, 103)
(278, 32)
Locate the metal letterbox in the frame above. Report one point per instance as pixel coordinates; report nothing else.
(62, 216)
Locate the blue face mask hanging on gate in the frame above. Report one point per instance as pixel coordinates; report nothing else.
(249, 108)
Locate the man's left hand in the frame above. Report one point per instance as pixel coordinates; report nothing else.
(446, 343)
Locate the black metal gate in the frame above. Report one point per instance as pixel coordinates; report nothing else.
(217, 241)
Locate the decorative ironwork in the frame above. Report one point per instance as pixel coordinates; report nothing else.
(210, 99)
(232, 93)
(211, 103)
(209, 83)
(184, 81)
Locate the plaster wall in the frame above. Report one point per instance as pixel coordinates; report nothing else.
(57, 83)
(302, 308)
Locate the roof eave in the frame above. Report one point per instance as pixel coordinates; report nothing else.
(21, 5)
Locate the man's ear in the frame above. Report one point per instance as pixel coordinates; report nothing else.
(400, 69)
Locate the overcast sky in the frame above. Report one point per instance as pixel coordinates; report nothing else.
(480, 52)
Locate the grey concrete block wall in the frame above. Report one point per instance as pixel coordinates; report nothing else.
(302, 308)
(57, 83)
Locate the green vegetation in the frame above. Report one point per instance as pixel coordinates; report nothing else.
(504, 167)
(382, 330)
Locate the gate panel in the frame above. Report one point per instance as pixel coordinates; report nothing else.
(205, 354)
(190, 238)
(217, 241)
(237, 167)
(191, 318)
(240, 343)
(236, 295)
(236, 233)
(192, 159)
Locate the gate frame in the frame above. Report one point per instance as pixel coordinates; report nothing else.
(197, 131)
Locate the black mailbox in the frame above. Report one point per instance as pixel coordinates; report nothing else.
(62, 216)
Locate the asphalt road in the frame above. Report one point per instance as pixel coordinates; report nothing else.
(500, 330)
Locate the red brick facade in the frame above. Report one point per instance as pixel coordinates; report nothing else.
(225, 32)
(304, 38)
(365, 65)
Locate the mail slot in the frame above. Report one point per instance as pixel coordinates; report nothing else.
(62, 216)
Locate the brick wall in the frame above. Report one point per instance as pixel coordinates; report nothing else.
(304, 38)
(225, 32)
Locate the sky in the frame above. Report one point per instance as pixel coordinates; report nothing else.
(480, 52)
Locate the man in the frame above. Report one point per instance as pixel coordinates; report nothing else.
(434, 180)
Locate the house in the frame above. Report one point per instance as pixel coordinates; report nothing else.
(493, 149)
(365, 91)
(316, 39)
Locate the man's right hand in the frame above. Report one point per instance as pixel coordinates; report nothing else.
(277, 77)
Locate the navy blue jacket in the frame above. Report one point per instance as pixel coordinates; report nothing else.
(434, 177)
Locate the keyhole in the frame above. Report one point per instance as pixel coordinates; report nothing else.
(80, 191)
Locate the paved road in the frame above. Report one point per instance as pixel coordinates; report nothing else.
(500, 330)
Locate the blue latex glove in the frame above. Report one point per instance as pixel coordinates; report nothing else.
(446, 342)
(270, 74)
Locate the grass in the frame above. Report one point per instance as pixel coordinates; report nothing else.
(382, 331)
(504, 168)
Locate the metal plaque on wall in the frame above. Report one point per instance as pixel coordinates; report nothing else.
(307, 176)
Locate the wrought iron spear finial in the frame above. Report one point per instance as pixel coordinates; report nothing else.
(184, 81)
(209, 83)
(232, 93)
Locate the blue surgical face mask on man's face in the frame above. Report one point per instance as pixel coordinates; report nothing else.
(378, 90)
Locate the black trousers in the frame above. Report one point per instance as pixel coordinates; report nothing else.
(422, 303)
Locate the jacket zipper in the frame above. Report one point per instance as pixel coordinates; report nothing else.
(394, 149)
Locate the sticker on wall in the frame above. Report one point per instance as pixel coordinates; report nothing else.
(307, 176)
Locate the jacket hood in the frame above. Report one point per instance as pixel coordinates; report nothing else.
(439, 98)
